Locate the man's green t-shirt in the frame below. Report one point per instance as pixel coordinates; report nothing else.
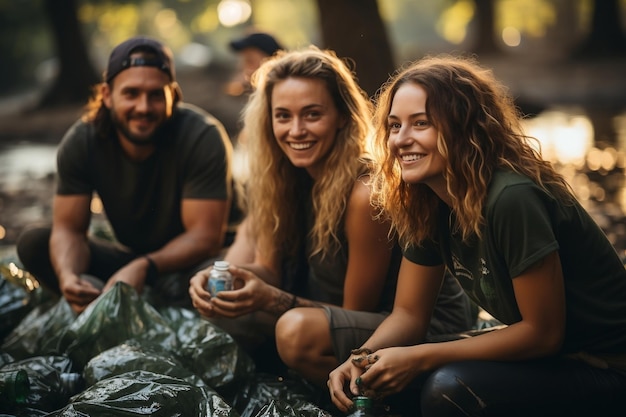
(142, 200)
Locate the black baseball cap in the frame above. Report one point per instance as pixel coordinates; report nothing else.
(120, 58)
(262, 41)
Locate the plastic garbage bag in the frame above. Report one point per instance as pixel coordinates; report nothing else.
(143, 393)
(134, 356)
(13, 306)
(261, 389)
(279, 408)
(115, 317)
(5, 358)
(50, 389)
(19, 294)
(208, 350)
(41, 331)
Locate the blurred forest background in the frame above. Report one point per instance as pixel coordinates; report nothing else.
(56, 49)
(564, 61)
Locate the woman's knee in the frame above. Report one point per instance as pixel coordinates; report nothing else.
(298, 333)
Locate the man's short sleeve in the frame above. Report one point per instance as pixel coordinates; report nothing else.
(207, 167)
(73, 172)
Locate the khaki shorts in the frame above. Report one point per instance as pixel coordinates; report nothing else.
(350, 329)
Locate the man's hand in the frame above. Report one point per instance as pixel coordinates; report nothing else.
(133, 273)
(79, 293)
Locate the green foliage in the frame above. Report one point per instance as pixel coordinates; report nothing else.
(24, 43)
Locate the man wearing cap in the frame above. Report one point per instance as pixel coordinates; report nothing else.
(162, 171)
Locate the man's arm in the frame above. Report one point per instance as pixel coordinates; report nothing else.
(205, 224)
(69, 251)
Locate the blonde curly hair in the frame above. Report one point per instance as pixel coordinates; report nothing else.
(479, 131)
(277, 190)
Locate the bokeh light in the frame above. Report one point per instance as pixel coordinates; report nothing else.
(196, 55)
(233, 12)
(511, 36)
(565, 137)
(454, 21)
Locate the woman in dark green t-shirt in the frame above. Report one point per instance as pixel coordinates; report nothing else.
(467, 191)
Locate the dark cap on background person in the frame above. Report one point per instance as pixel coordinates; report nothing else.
(262, 41)
(121, 59)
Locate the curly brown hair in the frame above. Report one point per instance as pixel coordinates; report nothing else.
(479, 131)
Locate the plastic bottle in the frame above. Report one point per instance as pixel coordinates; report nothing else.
(219, 278)
(14, 387)
(362, 407)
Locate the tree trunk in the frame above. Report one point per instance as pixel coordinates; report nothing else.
(606, 38)
(76, 73)
(354, 29)
(485, 24)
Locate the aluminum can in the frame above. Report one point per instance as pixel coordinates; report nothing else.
(219, 278)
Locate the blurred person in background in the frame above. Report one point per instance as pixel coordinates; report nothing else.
(252, 50)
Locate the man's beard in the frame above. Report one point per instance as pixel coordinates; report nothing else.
(122, 127)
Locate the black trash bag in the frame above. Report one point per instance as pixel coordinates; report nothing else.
(137, 355)
(5, 358)
(14, 305)
(143, 393)
(279, 408)
(208, 350)
(262, 388)
(115, 317)
(41, 331)
(49, 389)
(19, 294)
(26, 412)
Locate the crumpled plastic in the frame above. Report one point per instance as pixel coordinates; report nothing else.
(279, 408)
(41, 331)
(211, 352)
(144, 393)
(47, 391)
(113, 318)
(19, 294)
(138, 360)
(133, 356)
(261, 389)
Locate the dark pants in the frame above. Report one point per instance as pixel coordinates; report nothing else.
(547, 387)
(106, 257)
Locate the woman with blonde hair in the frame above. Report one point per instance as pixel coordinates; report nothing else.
(328, 266)
(468, 191)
